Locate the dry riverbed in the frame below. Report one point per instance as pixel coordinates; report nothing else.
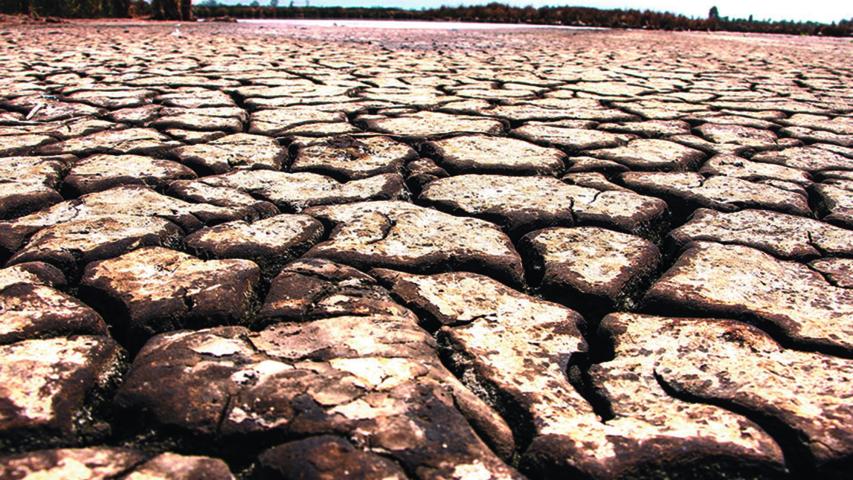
(277, 251)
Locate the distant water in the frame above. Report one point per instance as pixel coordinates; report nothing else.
(406, 25)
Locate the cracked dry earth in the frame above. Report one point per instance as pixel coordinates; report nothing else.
(264, 252)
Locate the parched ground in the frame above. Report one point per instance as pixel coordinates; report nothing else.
(272, 252)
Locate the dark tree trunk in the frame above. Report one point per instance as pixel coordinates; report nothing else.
(171, 10)
(186, 9)
(15, 6)
(167, 9)
(157, 9)
(120, 8)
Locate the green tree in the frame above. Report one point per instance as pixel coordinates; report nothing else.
(714, 14)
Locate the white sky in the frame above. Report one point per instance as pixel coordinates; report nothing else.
(818, 10)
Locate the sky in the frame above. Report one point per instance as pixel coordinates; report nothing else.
(817, 10)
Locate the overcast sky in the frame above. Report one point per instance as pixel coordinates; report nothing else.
(818, 10)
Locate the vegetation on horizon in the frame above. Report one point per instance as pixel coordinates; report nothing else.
(500, 13)
(493, 12)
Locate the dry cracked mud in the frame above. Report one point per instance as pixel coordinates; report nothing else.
(250, 251)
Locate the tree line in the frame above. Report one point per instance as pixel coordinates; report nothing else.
(493, 12)
(500, 13)
(155, 9)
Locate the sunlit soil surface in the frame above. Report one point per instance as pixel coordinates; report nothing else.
(274, 250)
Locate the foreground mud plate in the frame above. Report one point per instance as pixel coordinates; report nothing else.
(517, 348)
(374, 378)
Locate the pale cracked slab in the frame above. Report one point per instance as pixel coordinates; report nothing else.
(156, 289)
(525, 203)
(590, 267)
(649, 128)
(269, 242)
(350, 157)
(487, 154)
(25, 144)
(462, 298)
(685, 191)
(652, 154)
(750, 137)
(312, 288)
(278, 121)
(51, 390)
(101, 172)
(810, 159)
(105, 463)
(327, 457)
(241, 150)
(515, 350)
(228, 119)
(200, 192)
(296, 191)
(572, 139)
(838, 271)
(734, 166)
(375, 379)
(142, 141)
(432, 124)
(30, 183)
(30, 306)
(836, 203)
(406, 236)
(72, 245)
(130, 200)
(736, 281)
(734, 364)
(780, 234)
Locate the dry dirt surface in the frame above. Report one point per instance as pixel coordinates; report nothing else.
(253, 251)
